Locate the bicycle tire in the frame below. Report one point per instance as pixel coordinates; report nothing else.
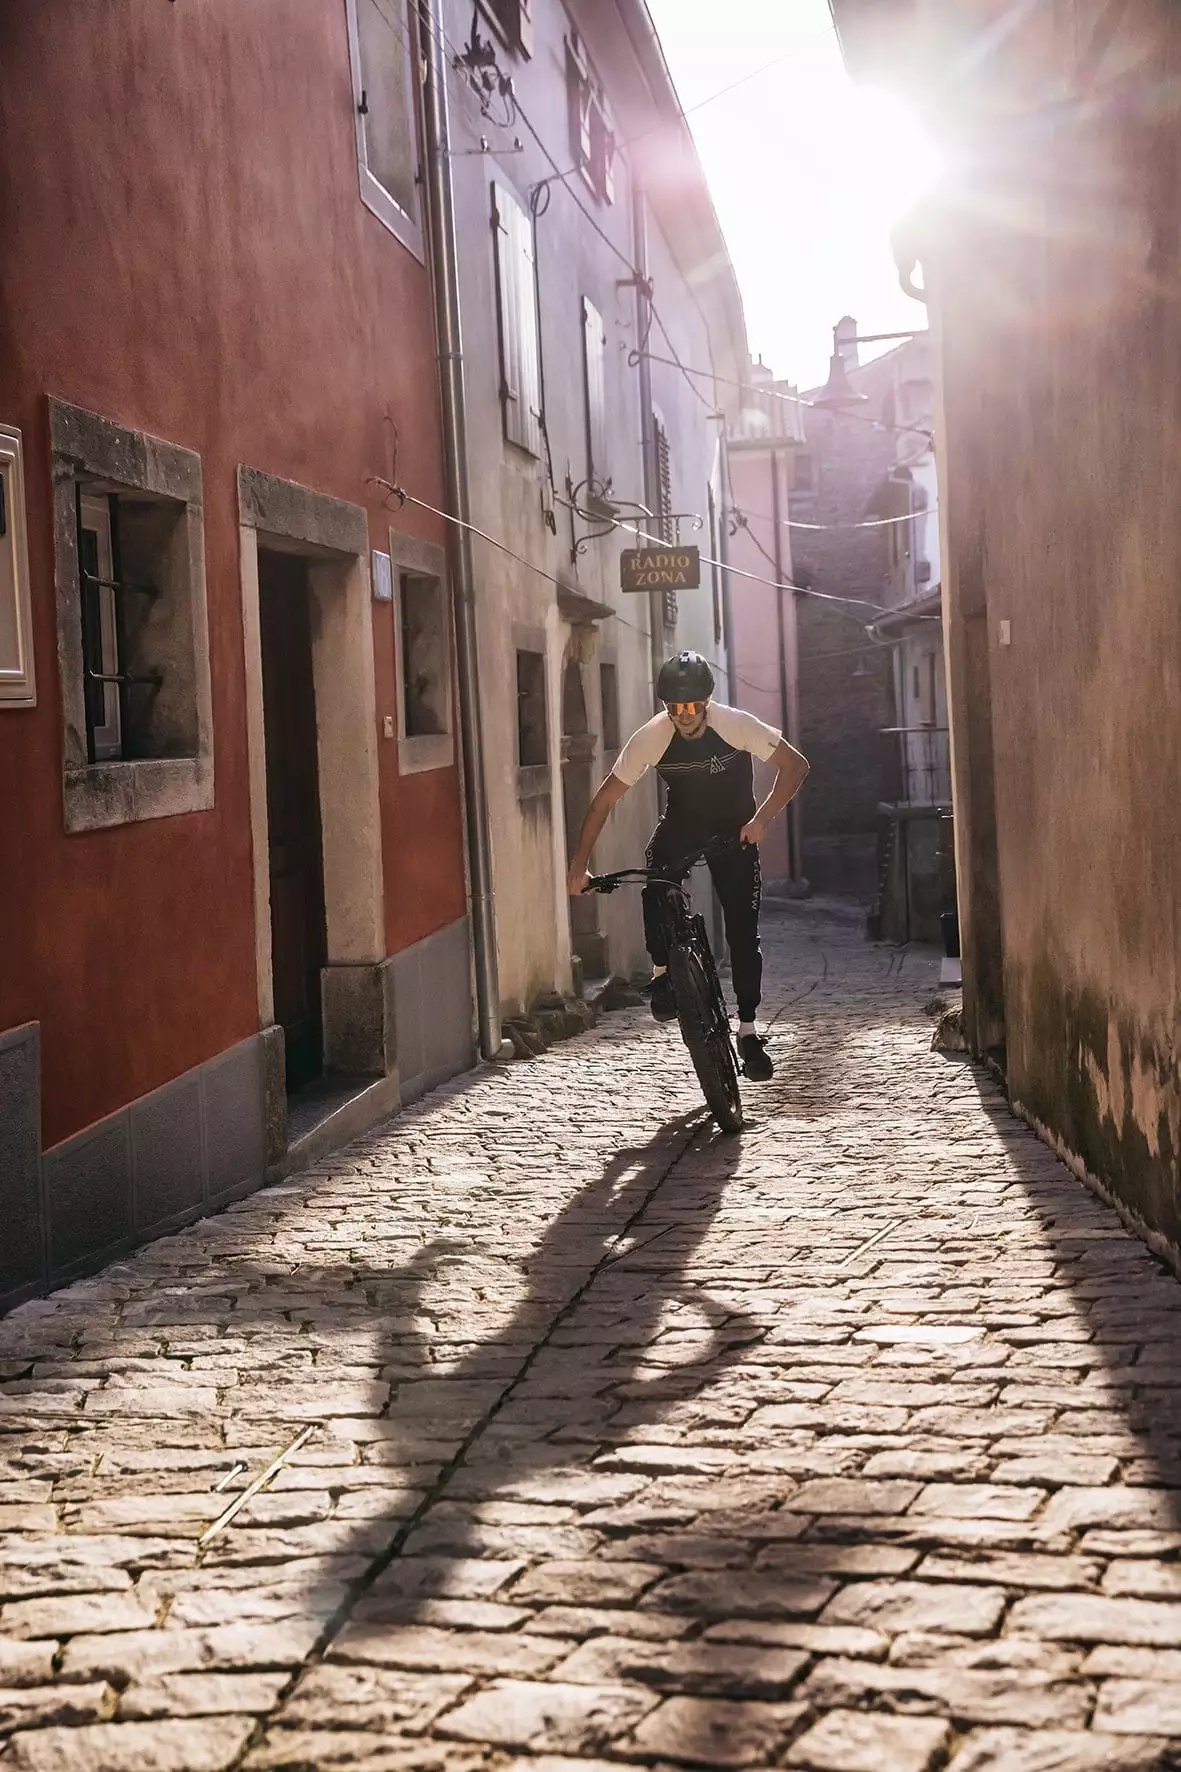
(706, 1032)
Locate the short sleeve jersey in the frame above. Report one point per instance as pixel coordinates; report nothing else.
(710, 779)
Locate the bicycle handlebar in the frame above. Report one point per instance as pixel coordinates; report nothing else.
(609, 882)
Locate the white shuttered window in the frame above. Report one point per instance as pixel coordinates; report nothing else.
(520, 361)
(594, 354)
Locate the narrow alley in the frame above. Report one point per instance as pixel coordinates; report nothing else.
(848, 1444)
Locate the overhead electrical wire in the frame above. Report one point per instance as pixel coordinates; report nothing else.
(686, 111)
(408, 498)
(517, 113)
(864, 418)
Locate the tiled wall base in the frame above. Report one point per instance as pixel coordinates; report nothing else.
(197, 1143)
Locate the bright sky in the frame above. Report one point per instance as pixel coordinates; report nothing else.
(807, 172)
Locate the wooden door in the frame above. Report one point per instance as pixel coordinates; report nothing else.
(298, 934)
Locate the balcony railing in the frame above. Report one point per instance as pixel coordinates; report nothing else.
(916, 766)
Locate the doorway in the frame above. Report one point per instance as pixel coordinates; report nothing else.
(299, 942)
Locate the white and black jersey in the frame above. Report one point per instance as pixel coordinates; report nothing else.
(710, 779)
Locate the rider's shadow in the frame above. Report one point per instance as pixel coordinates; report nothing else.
(612, 1342)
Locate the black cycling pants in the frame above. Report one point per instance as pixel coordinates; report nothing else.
(738, 883)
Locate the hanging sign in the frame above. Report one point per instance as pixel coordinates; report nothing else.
(660, 569)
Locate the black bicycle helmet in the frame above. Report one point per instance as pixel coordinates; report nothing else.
(687, 677)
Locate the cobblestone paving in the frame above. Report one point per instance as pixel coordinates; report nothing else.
(846, 1445)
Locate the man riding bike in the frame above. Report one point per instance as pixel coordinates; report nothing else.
(702, 751)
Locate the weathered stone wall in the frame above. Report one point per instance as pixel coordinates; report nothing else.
(1062, 354)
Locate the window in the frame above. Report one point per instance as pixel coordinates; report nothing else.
(664, 504)
(516, 289)
(133, 646)
(594, 355)
(609, 705)
(18, 687)
(423, 640)
(424, 657)
(515, 21)
(592, 136)
(532, 739)
(100, 641)
(382, 61)
(802, 475)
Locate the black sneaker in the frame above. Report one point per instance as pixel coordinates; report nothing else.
(756, 1061)
(662, 1000)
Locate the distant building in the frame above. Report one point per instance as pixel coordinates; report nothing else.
(873, 721)
(764, 646)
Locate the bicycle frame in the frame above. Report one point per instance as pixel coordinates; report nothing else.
(706, 1032)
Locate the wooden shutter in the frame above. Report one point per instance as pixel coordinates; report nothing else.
(605, 150)
(594, 351)
(520, 365)
(578, 98)
(664, 504)
(664, 481)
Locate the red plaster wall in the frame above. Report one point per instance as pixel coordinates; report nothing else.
(185, 251)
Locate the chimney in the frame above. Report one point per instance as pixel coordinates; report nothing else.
(844, 339)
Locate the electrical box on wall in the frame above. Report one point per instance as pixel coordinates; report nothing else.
(18, 687)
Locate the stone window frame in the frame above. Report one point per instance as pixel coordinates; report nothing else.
(422, 559)
(86, 447)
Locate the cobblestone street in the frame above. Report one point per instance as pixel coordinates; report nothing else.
(848, 1444)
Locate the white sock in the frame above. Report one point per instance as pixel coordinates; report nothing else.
(659, 971)
(744, 1028)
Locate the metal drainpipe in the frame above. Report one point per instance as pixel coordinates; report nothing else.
(724, 557)
(445, 277)
(647, 428)
(785, 719)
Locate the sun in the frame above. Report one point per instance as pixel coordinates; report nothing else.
(888, 158)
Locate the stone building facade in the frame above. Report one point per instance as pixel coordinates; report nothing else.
(1050, 260)
(846, 474)
(579, 419)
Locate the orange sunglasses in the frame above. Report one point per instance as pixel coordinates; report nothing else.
(686, 707)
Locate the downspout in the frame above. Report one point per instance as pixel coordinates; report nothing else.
(724, 558)
(647, 424)
(445, 278)
(785, 720)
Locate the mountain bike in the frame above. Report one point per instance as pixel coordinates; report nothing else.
(701, 1007)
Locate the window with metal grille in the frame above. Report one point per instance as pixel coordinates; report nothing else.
(592, 133)
(100, 626)
(532, 735)
(132, 634)
(594, 355)
(516, 290)
(136, 643)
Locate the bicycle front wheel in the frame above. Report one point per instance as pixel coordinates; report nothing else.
(706, 1032)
